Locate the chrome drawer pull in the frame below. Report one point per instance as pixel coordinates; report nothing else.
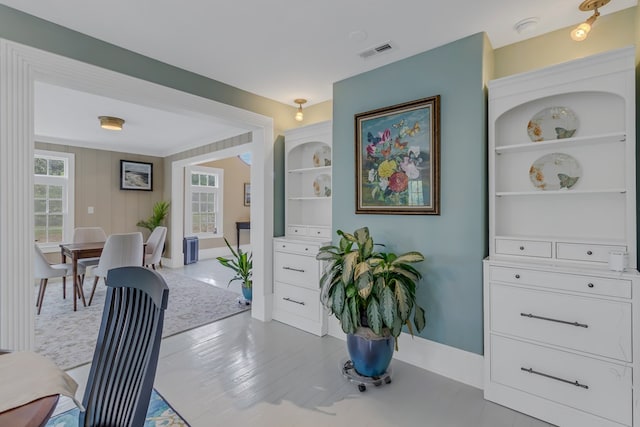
(299, 270)
(533, 316)
(294, 301)
(575, 383)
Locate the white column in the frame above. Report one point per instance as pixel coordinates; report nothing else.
(16, 208)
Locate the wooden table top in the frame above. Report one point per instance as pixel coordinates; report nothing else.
(33, 414)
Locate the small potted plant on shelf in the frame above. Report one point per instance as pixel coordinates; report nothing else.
(241, 263)
(373, 295)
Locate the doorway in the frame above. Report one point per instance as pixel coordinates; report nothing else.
(22, 66)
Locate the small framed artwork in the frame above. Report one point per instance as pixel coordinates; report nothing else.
(247, 194)
(136, 175)
(398, 159)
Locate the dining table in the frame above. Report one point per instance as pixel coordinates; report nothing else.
(76, 251)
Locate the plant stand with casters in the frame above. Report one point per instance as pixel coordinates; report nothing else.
(350, 373)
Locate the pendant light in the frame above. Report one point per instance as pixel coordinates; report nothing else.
(581, 31)
(299, 115)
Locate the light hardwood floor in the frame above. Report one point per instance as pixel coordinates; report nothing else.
(243, 372)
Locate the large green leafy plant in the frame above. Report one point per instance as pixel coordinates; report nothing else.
(160, 212)
(362, 287)
(241, 263)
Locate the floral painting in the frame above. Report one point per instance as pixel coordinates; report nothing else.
(398, 159)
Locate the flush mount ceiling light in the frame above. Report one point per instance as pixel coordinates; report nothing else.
(299, 115)
(581, 31)
(111, 123)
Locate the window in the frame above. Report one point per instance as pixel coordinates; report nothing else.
(203, 209)
(53, 198)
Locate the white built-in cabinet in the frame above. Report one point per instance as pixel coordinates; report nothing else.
(308, 189)
(558, 337)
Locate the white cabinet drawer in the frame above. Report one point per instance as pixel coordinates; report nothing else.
(297, 301)
(562, 281)
(297, 231)
(531, 248)
(585, 252)
(606, 390)
(592, 325)
(296, 247)
(319, 232)
(296, 269)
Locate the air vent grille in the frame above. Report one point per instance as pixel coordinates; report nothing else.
(383, 48)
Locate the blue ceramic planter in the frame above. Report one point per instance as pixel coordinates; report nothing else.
(370, 355)
(247, 293)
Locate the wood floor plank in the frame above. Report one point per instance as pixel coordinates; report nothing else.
(243, 372)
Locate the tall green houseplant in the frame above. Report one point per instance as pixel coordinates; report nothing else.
(242, 265)
(362, 287)
(160, 212)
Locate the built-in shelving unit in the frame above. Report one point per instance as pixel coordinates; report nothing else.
(308, 190)
(558, 321)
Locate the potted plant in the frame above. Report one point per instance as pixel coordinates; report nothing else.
(373, 295)
(160, 212)
(242, 264)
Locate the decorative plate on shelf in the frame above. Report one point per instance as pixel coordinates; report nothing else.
(552, 123)
(322, 157)
(555, 171)
(322, 185)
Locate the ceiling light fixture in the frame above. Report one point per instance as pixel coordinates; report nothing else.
(111, 123)
(299, 115)
(581, 31)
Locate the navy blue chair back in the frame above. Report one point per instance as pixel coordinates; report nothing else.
(126, 355)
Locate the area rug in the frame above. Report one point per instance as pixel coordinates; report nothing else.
(69, 337)
(159, 414)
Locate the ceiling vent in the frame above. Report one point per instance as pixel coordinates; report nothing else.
(383, 48)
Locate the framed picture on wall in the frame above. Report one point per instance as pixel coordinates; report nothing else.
(398, 159)
(247, 194)
(136, 175)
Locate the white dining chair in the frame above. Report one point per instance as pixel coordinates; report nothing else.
(45, 271)
(88, 235)
(120, 250)
(155, 245)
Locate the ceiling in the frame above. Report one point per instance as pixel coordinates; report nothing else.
(281, 49)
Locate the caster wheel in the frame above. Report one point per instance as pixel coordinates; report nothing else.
(377, 383)
(387, 380)
(362, 387)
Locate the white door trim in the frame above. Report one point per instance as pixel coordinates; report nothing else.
(20, 67)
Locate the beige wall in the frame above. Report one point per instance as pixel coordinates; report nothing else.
(609, 32)
(236, 173)
(97, 174)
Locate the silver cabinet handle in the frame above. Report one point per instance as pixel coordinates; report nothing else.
(533, 316)
(293, 301)
(575, 383)
(299, 270)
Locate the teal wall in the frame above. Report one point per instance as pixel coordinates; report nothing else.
(455, 242)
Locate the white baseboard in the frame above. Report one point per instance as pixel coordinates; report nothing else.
(450, 362)
(221, 251)
(204, 254)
